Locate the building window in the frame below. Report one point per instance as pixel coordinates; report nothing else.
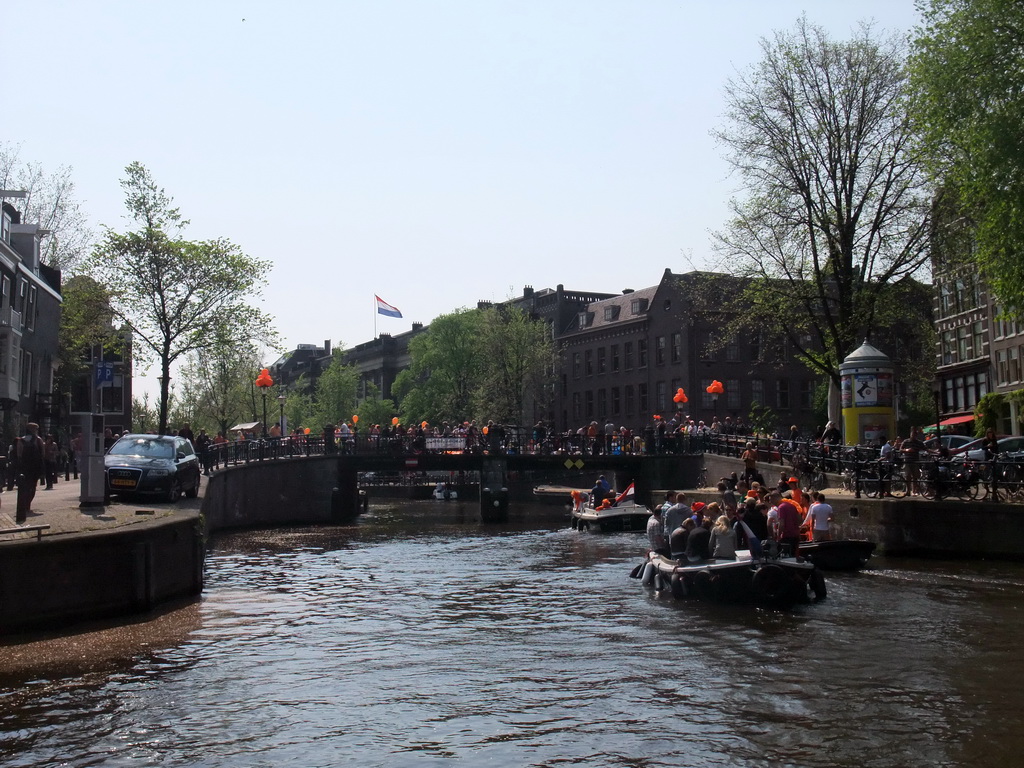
(611, 313)
(945, 300)
(972, 390)
(661, 397)
(659, 350)
(706, 400)
(1013, 364)
(601, 360)
(962, 343)
(641, 353)
(667, 305)
(589, 404)
(732, 352)
(978, 342)
(677, 347)
(615, 357)
(707, 344)
(1002, 368)
(782, 393)
(948, 397)
(638, 306)
(982, 385)
(641, 393)
(757, 391)
(627, 355)
(30, 311)
(602, 403)
(948, 347)
(628, 393)
(616, 405)
(577, 365)
(806, 394)
(588, 362)
(732, 393)
(577, 411)
(26, 373)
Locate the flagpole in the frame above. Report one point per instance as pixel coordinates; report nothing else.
(375, 317)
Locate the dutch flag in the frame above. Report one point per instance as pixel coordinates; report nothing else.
(383, 308)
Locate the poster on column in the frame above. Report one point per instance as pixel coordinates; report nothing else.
(884, 386)
(865, 390)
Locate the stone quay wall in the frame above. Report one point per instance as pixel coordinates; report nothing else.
(60, 580)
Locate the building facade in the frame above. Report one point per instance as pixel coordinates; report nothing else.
(624, 359)
(30, 302)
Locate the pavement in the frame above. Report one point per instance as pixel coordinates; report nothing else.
(60, 509)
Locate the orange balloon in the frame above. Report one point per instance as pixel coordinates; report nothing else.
(423, 424)
(355, 418)
(306, 431)
(394, 421)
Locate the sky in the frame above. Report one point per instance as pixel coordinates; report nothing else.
(434, 153)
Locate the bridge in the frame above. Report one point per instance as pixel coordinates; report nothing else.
(318, 482)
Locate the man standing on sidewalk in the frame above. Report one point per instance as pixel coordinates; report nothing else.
(30, 467)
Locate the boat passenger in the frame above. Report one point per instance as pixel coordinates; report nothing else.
(679, 538)
(728, 497)
(656, 533)
(723, 539)
(798, 496)
(819, 516)
(698, 512)
(789, 523)
(698, 543)
(601, 491)
(675, 514)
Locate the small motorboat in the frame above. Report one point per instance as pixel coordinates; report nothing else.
(840, 555)
(444, 492)
(779, 582)
(623, 514)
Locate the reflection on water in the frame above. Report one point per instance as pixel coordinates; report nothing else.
(418, 636)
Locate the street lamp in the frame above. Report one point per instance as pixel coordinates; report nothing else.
(263, 381)
(281, 401)
(714, 389)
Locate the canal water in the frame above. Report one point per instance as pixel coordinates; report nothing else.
(420, 636)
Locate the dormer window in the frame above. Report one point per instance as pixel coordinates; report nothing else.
(638, 306)
(611, 313)
(586, 319)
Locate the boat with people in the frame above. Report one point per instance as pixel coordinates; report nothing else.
(445, 492)
(838, 555)
(776, 582)
(620, 514)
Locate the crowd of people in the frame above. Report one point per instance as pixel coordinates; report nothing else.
(744, 516)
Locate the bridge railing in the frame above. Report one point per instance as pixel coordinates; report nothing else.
(512, 442)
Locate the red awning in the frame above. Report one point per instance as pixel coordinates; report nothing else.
(956, 420)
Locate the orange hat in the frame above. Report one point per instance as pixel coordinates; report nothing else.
(794, 480)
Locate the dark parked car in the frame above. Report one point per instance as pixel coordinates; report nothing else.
(153, 464)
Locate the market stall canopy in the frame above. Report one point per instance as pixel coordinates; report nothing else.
(247, 427)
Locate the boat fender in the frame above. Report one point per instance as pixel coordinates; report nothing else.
(637, 572)
(705, 585)
(771, 583)
(584, 525)
(817, 584)
(659, 582)
(678, 586)
(648, 577)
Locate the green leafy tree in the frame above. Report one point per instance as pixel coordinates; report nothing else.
(216, 381)
(444, 373)
(174, 293)
(835, 209)
(966, 73)
(335, 396)
(517, 360)
(374, 409)
(144, 416)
